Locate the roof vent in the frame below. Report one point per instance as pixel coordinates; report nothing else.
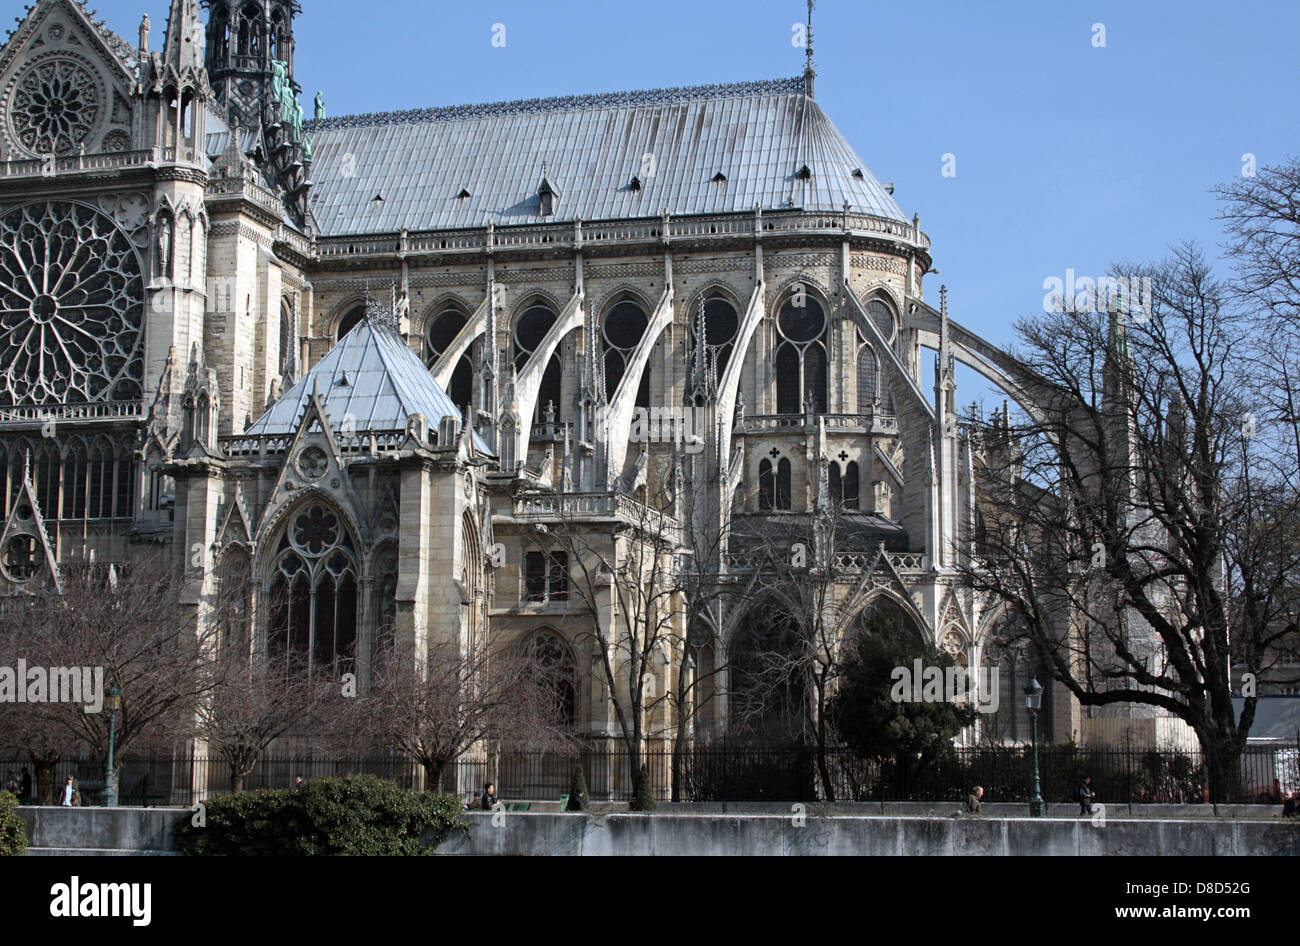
(804, 173)
(857, 172)
(634, 184)
(889, 188)
(342, 382)
(719, 178)
(464, 193)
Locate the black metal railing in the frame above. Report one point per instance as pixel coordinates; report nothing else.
(1119, 775)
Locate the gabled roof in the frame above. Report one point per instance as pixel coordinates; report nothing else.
(370, 379)
(124, 53)
(757, 134)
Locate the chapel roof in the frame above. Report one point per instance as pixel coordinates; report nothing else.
(370, 379)
(696, 150)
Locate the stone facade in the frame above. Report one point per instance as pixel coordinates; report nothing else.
(234, 292)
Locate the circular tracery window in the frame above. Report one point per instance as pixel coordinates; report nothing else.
(71, 306)
(315, 529)
(20, 559)
(56, 106)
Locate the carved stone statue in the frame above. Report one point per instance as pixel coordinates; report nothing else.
(164, 247)
(144, 35)
(279, 79)
(320, 106)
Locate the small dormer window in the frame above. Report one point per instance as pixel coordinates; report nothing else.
(464, 194)
(634, 184)
(547, 195)
(857, 172)
(804, 173)
(719, 178)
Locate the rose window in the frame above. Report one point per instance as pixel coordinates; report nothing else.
(21, 560)
(71, 307)
(313, 463)
(315, 529)
(55, 107)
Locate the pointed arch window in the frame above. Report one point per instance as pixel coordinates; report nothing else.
(530, 331)
(624, 326)
(801, 356)
(442, 331)
(74, 482)
(288, 339)
(313, 593)
(350, 321)
(553, 657)
(46, 477)
(235, 599)
(774, 484)
(385, 600)
(873, 386)
(721, 323)
(851, 486)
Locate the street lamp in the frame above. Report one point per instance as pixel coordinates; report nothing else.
(1033, 701)
(113, 700)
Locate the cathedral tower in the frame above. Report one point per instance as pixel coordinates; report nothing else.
(250, 62)
(244, 38)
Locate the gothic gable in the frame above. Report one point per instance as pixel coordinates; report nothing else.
(313, 463)
(59, 55)
(27, 559)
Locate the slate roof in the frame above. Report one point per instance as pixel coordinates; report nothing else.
(370, 375)
(758, 134)
(217, 139)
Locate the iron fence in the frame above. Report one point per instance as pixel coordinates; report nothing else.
(791, 774)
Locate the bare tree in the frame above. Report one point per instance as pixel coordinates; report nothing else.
(623, 555)
(461, 697)
(817, 577)
(131, 622)
(258, 699)
(30, 729)
(1119, 522)
(1262, 221)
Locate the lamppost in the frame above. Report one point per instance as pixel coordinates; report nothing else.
(113, 700)
(1034, 700)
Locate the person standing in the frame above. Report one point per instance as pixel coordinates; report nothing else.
(25, 786)
(70, 797)
(1084, 794)
(488, 800)
(974, 799)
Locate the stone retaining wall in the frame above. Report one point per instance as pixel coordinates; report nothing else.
(756, 834)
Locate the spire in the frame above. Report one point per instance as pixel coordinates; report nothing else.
(809, 74)
(183, 43)
(945, 349)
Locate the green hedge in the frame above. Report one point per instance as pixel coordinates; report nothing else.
(356, 814)
(13, 831)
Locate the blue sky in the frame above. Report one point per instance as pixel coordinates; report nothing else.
(1066, 155)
